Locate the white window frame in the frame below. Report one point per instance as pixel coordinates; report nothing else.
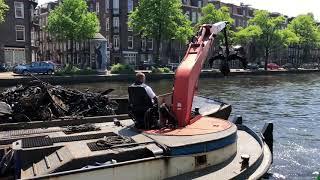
(107, 24)
(16, 4)
(24, 33)
(97, 7)
(116, 42)
(130, 57)
(116, 22)
(130, 42)
(148, 41)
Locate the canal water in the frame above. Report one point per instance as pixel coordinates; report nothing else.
(291, 102)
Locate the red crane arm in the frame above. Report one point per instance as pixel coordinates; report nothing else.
(187, 74)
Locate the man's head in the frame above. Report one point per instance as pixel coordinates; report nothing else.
(140, 77)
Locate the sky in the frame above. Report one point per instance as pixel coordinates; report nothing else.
(286, 7)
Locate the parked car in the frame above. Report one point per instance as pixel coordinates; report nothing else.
(252, 66)
(273, 66)
(3, 68)
(145, 65)
(288, 66)
(35, 67)
(310, 65)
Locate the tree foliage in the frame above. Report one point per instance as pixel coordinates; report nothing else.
(161, 20)
(3, 9)
(267, 31)
(211, 15)
(71, 20)
(305, 27)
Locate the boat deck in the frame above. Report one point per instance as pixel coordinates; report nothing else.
(245, 142)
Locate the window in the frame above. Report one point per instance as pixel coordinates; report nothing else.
(240, 22)
(116, 42)
(20, 33)
(91, 7)
(129, 28)
(107, 24)
(186, 2)
(115, 6)
(244, 23)
(130, 42)
(32, 38)
(239, 11)
(97, 7)
(199, 16)
(143, 43)
(194, 17)
(149, 57)
(107, 6)
(116, 22)
(108, 41)
(19, 9)
(130, 57)
(199, 3)
(187, 14)
(130, 6)
(150, 44)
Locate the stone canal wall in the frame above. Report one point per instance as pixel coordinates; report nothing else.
(13, 80)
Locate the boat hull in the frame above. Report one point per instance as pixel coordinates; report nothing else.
(222, 163)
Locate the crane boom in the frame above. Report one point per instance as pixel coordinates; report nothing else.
(187, 74)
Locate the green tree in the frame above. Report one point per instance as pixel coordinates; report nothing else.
(305, 27)
(72, 21)
(3, 9)
(161, 20)
(211, 15)
(267, 32)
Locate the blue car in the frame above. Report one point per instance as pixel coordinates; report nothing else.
(35, 67)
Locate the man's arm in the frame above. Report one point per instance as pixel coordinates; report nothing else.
(152, 95)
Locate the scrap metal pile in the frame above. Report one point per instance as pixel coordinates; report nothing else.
(40, 101)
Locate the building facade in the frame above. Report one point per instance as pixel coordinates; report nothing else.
(15, 41)
(124, 45)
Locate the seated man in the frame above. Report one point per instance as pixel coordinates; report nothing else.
(142, 103)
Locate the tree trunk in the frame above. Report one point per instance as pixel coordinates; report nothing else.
(71, 48)
(266, 59)
(158, 39)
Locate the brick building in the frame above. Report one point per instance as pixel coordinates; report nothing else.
(15, 41)
(124, 45)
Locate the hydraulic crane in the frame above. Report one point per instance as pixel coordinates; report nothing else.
(187, 74)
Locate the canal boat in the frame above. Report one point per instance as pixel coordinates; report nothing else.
(197, 144)
(112, 147)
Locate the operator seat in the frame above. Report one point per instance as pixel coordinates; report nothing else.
(139, 104)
